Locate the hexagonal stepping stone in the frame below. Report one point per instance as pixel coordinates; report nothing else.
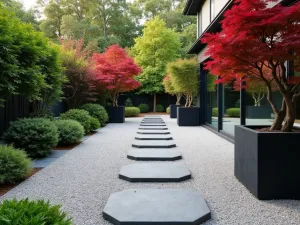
(152, 116)
(152, 121)
(153, 137)
(153, 128)
(156, 207)
(153, 124)
(156, 132)
(154, 172)
(154, 155)
(153, 144)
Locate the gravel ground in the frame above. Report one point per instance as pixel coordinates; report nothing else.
(83, 179)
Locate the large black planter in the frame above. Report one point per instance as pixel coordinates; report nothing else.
(267, 163)
(259, 112)
(173, 111)
(116, 114)
(188, 116)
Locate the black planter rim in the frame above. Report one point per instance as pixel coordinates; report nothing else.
(252, 128)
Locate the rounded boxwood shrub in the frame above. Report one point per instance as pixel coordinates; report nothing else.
(233, 112)
(69, 131)
(168, 110)
(36, 136)
(15, 165)
(95, 124)
(26, 212)
(80, 115)
(132, 111)
(214, 111)
(97, 111)
(160, 108)
(144, 108)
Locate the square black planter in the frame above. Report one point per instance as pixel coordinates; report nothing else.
(188, 116)
(173, 111)
(267, 163)
(116, 114)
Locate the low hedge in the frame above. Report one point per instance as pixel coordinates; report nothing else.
(97, 111)
(80, 115)
(95, 124)
(69, 131)
(15, 165)
(144, 108)
(132, 111)
(214, 111)
(36, 136)
(25, 212)
(233, 112)
(160, 108)
(168, 110)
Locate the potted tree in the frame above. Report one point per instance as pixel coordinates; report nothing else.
(115, 71)
(183, 74)
(255, 43)
(167, 82)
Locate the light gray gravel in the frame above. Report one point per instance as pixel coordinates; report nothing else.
(83, 179)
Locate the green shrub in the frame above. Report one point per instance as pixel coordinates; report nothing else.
(144, 108)
(69, 131)
(168, 110)
(36, 136)
(81, 116)
(214, 111)
(15, 165)
(233, 112)
(160, 108)
(132, 111)
(97, 111)
(128, 102)
(95, 124)
(25, 212)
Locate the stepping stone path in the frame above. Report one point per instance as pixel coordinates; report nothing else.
(153, 142)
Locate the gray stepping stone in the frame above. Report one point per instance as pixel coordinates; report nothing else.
(156, 207)
(153, 124)
(153, 144)
(154, 172)
(153, 137)
(153, 121)
(153, 128)
(156, 132)
(152, 116)
(154, 155)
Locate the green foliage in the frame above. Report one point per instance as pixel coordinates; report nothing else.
(15, 165)
(95, 110)
(168, 110)
(132, 111)
(160, 108)
(80, 115)
(25, 212)
(214, 111)
(36, 136)
(69, 131)
(233, 112)
(128, 102)
(95, 124)
(144, 108)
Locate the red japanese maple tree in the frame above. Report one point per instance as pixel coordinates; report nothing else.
(115, 71)
(255, 43)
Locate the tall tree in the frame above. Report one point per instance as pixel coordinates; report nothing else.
(255, 42)
(158, 46)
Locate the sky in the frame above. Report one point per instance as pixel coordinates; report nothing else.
(28, 3)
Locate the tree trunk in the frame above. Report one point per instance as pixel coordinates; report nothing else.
(154, 102)
(290, 115)
(178, 96)
(279, 117)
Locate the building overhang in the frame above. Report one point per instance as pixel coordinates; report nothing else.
(192, 7)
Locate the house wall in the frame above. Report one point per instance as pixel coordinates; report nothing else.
(205, 13)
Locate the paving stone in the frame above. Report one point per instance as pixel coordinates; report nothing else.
(153, 124)
(153, 116)
(156, 132)
(153, 137)
(153, 144)
(153, 128)
(154, 155)
(156, 207)
(154, 172)
(152, 121)
(54, 155)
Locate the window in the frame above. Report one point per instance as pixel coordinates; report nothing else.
(199, 24)
(212, 10)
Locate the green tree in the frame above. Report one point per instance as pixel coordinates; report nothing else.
(158, 46)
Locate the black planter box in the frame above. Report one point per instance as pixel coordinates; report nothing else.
(259, 112)
(173, 111)
(188, 116)
(267, 163)
(116, 114)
